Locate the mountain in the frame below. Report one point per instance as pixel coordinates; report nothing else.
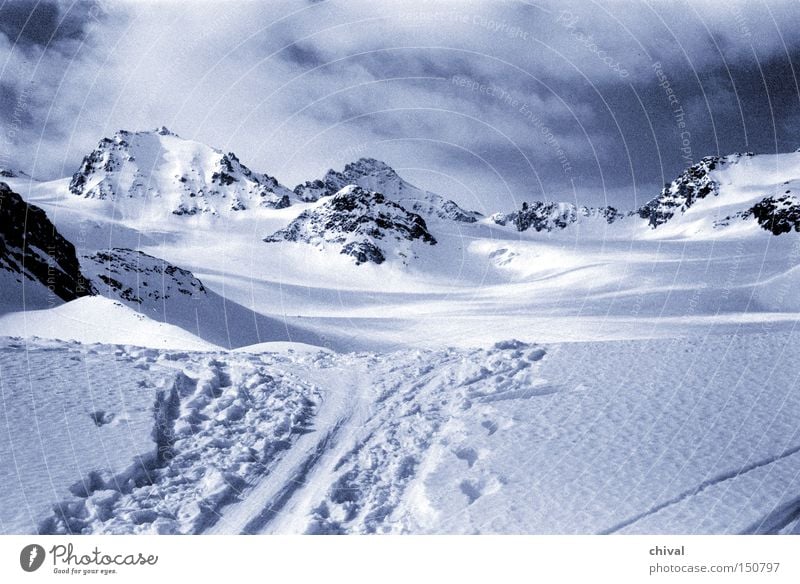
(693, 184)
(141, 279)
(150, 172)
(730, 194)
(362, 224)
(717, 196)
(551, 216)
(172, 295)
(374, 175)
(11, 173)
(36, 262)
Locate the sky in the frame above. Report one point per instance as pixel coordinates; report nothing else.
(489, 103)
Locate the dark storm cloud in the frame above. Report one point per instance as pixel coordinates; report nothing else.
(303, 55)
(42, 22)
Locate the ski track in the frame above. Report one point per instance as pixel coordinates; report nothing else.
(325, 443)
(261, 505)
(770, 524)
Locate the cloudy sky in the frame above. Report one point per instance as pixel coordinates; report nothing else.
(490, 103)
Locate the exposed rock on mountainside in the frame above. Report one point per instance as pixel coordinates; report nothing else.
(31, 248)
(542, 216)
(137, 277)
(364, 225)
(778, 214)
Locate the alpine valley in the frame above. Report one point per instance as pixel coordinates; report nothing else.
(189, 346)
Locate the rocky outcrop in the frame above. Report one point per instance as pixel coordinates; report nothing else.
(364, 225)
(553, 216)
(31, 248)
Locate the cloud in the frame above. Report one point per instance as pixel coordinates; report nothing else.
(297, 88)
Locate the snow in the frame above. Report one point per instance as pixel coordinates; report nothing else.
(93, 319)
(656, 436)
(603, 378)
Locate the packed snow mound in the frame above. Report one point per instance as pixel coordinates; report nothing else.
(552, 216)
(375, 175)
(362, 224)
(740, 194)
(94, 319)
(153, 173)
(35, 259)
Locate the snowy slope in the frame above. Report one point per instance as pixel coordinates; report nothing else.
(730, 196)
(169, 294)
(94, 319)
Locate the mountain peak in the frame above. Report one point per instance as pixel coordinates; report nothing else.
(367, 166)
(375, 175)
(187, 177)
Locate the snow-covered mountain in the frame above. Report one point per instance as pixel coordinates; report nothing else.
(739, 191)
(374, 175)
(157, 172)
(552, 216)
(359, 223)
(732, 194)
(139, 278)
(678, 196)
(35, 260)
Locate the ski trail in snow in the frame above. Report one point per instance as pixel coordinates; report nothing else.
(705, 485)
(265, 502)
(317, 477)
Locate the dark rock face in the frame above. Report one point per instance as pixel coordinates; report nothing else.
(551, 216)
(136, 277)
(543, 216)
(778, 215)
(31, 246)
(693, 184)
(365, 224)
